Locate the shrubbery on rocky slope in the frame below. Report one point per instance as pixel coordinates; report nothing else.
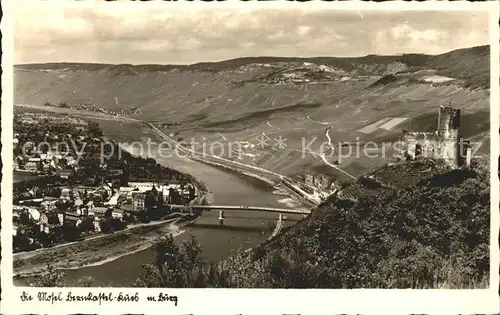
(433, 234)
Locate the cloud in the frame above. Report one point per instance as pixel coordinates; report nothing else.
(149, 35)
(409, 39)
(463, 30)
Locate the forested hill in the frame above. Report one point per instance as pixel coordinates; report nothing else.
(431, 231)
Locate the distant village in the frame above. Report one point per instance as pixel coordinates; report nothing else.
(93, 108)
(300, 73)
(70, 197)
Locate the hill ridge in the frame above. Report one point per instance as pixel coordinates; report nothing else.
(258, 59)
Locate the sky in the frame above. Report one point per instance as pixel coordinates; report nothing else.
(152, 35)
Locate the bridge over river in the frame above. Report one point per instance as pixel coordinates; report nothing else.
(221, 208)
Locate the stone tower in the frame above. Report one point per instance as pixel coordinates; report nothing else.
(448, 133)
(448, 123)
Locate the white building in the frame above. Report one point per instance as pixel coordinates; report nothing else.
(127, 189)
(144, 186)
(113, 201)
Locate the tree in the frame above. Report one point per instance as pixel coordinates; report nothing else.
(94, 130)
(116, 224)
(106, 225)
(179, 266)
(87, 282)
(62, 206)
(24, 218)
(142, 216)
(150, 201)
(49, 278)
(87, 225)
(70, 231)
(21, 243)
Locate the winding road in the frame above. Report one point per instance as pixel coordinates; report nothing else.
(323, 155)
(319, 122)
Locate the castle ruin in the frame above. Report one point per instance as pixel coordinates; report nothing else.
(444, 144)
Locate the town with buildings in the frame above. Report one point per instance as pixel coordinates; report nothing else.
(307, 72)
(93, 108)
(72, 196)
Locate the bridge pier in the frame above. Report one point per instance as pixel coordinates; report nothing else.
(281, 218)
(221, 217)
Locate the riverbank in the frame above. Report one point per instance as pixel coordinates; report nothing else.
(117, 258)
(103, 249)
(96, 250)
(100, 248)
(269, 177)
(284, 186)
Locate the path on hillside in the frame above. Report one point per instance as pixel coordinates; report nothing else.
(222, 136)
(322, 155)
(247, 169)
(332, 148)
(270, 125)
(194, 153)
(352, 95)
(319, 122)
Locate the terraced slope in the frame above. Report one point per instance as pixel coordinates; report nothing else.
(238, 102)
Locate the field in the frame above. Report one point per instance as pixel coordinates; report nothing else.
(228, 108)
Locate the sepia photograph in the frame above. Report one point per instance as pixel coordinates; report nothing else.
(291, 147)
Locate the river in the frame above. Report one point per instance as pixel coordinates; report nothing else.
(242, 229)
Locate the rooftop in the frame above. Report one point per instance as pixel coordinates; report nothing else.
(100, 209)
